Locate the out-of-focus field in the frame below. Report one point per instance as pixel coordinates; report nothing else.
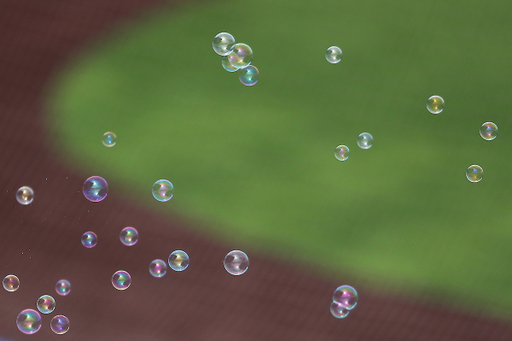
(256, 164)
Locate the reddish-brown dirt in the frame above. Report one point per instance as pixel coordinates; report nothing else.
(40, 243)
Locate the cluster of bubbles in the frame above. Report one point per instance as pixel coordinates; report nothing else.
(109, 139)
(344, 299)
(236, 57)
(178, 261)
(364, 141)
(236, 262)
(333, 55)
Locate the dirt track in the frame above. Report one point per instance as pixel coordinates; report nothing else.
(40, 243)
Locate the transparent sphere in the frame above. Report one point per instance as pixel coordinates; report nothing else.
(59, 324)
(11, 283)
(46, 304)
(474, 173)
(223, 43)
(121, 280)
(240, 56)
(435, 104)
(342, 152)
(29, 321)
(227, 66)
(338, 310)
(249, 75)
(95, 188)
(129, 236)
(365, 140)
(346, 296)
(489, 131)
(236, 262)
(158, 268)
(163, 190)
(63, 287)
(109, 139)
(89, 239)
(333, 54)
(25, 195)
(179, 260)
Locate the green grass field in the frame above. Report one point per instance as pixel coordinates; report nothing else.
(255, 164)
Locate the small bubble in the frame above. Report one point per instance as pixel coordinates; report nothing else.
(129, 236)
(338, 310)
(46, 304)
(346, 296)
(109, 139)
(236, 262)
(63, 287)
(25, 195)
(121, 280)
(240, 56)
(365, 140)
(227, 66)
(158, 268)
(489, 131)
(342, 152)
(95, 188)
(249, 75)
(59, 324)
(474, 173)
(163, 190)
(223, 43)
(333, 54)
(89, 239)
(11, 283)
(179, 260)
(29, 321)
(435, 104)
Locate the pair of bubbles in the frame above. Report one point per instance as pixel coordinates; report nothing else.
(129, 236)
(344, 299)
(178, 261)
(364, 141)
(236, 57)
(11, 283)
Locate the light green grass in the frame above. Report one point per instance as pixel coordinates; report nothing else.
(256, 165)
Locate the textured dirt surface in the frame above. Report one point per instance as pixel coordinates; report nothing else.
(40, 243)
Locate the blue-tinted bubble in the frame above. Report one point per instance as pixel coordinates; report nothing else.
(338, 310)
(365, 140)
(179, 260)
(342, 152)
(25, 195)
(249, 75)
(333, 54)
(158, 268)
(95, 188)
(236, 262)
(63, 287)
(129, 236)
(489, 131)
(121, 280)
(163, 190)
(240, 55)
(59, 324)
(11, 283)
(435, 104)
(46, 304)
(89, 239)
(223, 43)
(474, 173)
(109, 139)
(346, 296)
(29, 321)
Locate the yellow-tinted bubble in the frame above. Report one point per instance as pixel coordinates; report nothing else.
(435, 104)
(46, 304)
(179, 260)
(25, 195)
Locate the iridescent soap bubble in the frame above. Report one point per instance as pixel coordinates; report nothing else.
(95, 188)
(346, 296)
(249, 75)
(227, 66)
(342, 152)
(109, 139)
(489, 131)
(121, 280)
(89, 239)
(474, 173)
(11, 283)
(129, 236)
(29, 321)
(63, 287)
(240, 56)
(236, 262)
(59, 324)
(25, 195)
(365, 140)
(435, 104)
(158, 268)
(223, 43)
(338, 310)
(333, 54)
(163, 190)
(46, 304)
(179, 260)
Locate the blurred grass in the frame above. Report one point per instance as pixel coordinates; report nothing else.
(256, 163)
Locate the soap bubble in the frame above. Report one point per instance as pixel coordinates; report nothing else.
(333, 54)
(227, 66)
(121, 280)
(129, 236)
(240, 56)
(11, 283)
(223, 43)
(474, 173)
(163, 190)
(346, 296)
(489, 131)
(158, 268)
(25, 195)
(236, 262)
(89, 239)
(46, 304)
(435, 104)
(63, 287)
(342, 152)
(249, 75)
(59, 324)
(109, 139)
(29, 321)
(95, 188)
(178, 260)
(338, 310)
(365, 140)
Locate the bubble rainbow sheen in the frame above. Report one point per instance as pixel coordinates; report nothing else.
(346, 296)
(474, 173)
(236, 262)
(121, 280)
(29, 321)
(163, 190)
(109, 139)
(179, 260)
(95, 189)
(63, 287)
(129, 236)
(59, 324)
(158, 268)
(435, 104)
(342, 152)
(333, 54)
(11, 283)
(489, 131)
(249, 75)
(338, 310)
(227, 66)
(46, 304)
(223, 43)
(25, 195)
(89, 239)
(240, 55)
